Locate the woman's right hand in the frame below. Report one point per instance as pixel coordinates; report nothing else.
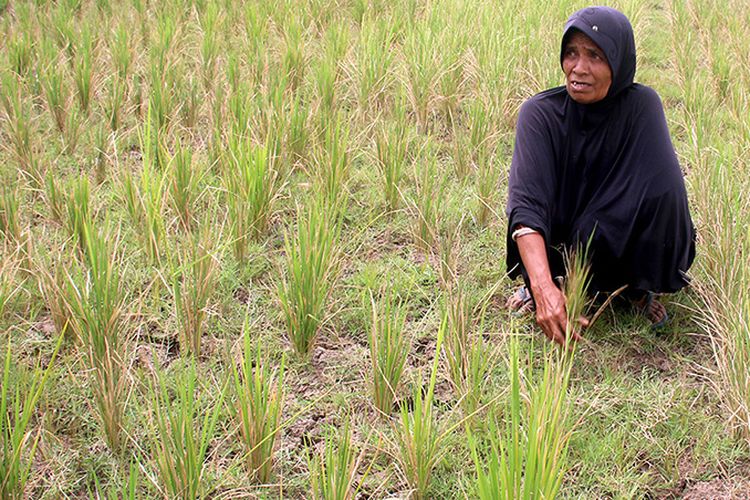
(551, 314)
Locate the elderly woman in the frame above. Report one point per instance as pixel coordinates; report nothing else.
(593, 160)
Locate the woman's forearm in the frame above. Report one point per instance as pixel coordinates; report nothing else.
(533, 251)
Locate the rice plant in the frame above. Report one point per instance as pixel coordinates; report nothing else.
(79, 212)
(193, 282)
(56, 93)
(528, 455)
(83, 69)
(184, 185)
(182, 428)
(18, 119)
(333, 471)
(389, 347)
(427, 202)
(146, 199)
(19, 396)
(332, 163)
(260, 401)
(312, 257)
(10, 221)
(96, 304)
(421, 73)
(391, 147)
(252, 186)
(373, 65)
(419, 441)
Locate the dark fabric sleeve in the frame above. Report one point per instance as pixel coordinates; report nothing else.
(532, 182)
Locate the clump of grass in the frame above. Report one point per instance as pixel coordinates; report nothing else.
(18, 442)
(79, 212)
(528, 457)
(312, 265)
(18, 119)
(374, 60)
(333, 472)
(421, 73)
(391, 148)
(184, 185)
(55, 198)
(426, 204)
(389, 347)
(332, 162)
(145, 201)
(260, 401)
(10, 222)
(192, 284)
(419, 441)
(96, 305)
(83, 69)
(182, 430)
(252, 185)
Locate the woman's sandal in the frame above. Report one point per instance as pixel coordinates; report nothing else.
(644, 307)
(521, 302)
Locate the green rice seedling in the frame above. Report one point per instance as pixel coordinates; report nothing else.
(55, 198)
(193, 283)
(122, 55)
(83, 69)
(486, 188)
(373, 63)
(209, 44)
(160, 99)
(577, 279)
(450, 77)
(332, 163)
(18, 120)
(252, 187)
(182, 429)
(449, 244)
(418, 437)
(333, 471)
(72, 131)
(96, 304)
(426, 203)
(79, 212)
(190, 102)
(127, 490)
(52, 280)
(56, 93)
(421, 73)
(19, 396)
(115, 101)
(293, 58)
(324, 76)
(9, 271)
(145, 200)
(10, 222)
(260, 401)
(233, 72)
(457, 337)
(389, 347)
(528, 458)
(101, 146)
(297, 135)
(184, 185)
(391, 147)
(20, 53)
(312, 265)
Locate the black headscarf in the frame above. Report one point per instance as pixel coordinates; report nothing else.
(607, 168)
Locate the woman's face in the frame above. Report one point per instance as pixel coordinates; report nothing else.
(587, 72)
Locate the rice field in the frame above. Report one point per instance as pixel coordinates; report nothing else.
(256, 250)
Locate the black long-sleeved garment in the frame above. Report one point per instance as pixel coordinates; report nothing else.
(607, 168)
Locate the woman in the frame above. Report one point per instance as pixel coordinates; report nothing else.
(593, 160)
